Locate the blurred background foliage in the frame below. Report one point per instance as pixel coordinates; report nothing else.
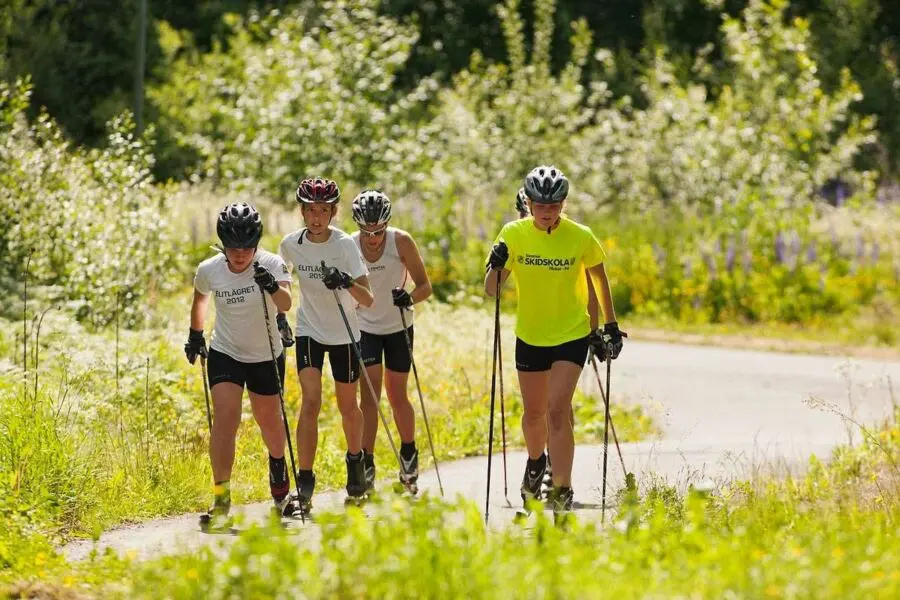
(738, 159)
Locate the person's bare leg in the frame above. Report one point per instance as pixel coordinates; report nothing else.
(308, 420)
(369, 408)
(226, 397)
(395, 384)
(563, 381)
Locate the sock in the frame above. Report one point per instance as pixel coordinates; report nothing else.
(355, 457)
(305, 476)
(407, 449)
(222, 493)
(279, 483)
(537, 464)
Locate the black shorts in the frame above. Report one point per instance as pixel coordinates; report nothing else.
(259, 377)
(392, 346)
(344, 366)
(541, 358)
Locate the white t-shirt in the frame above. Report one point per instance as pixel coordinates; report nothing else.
(240, 325)
(317, 313)
(385, 274)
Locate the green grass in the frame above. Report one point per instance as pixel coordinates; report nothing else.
(84, 454)
(830, 533)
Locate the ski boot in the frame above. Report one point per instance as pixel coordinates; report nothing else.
(280, 486)
(217, 519)
(369, 460)
(409, 473)
(562, 500)
(356, 479)
(533, 480)
(306, 482)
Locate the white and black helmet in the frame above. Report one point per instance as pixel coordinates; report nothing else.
(546, 185)
(371, 207)
(522, 203)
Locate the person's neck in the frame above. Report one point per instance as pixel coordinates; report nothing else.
(318, 238)
(553, 226)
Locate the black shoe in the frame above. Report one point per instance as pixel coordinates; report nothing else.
(533, 479)
(356, 475)
(561, 499)
(306, 483)
(369, 460)
(217, 517)
(409, 469)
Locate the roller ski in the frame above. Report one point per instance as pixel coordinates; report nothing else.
(409, 474)
(357, 486)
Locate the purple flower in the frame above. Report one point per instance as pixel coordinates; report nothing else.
(811, 254)
(860, 248)
(779, 248)
(710, 261)
(875, 251)
(729, 255)
(747, 262)
(688, 268)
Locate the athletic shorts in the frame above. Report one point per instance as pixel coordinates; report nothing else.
(258, 377)
(344, 366)
(541, 358)
(392, 346)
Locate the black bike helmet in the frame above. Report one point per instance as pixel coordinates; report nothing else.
(239, 226)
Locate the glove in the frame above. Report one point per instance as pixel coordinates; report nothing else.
(196, 346)
(264, 279)
(287, 336)
(401, 298)
(499, 256)
(335, 279)
(607, 343)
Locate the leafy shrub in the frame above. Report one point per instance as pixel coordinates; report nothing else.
(91, 222)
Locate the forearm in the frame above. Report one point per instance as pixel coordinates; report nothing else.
(490, 282)
(593, 306)
(282, 299)
(421, 292)
(362, 294)
(600, 282)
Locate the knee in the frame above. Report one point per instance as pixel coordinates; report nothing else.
(310, 405)
(534, 414)
(349, 408)
(560, 417)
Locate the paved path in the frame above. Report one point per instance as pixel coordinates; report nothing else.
(723, 414)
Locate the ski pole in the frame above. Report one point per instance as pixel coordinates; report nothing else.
(421, 401)
(487, 502)
(592, 357)
(206, 394)
(605, 437)
(287, 427)
(497, 340)
(362, 367)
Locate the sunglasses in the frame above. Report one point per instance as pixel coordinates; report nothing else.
(373, 234)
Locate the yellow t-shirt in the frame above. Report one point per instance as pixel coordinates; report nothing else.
(549, 275)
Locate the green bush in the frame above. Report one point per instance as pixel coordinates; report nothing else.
(89, 224)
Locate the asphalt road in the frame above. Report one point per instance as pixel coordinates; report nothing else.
(724, 413)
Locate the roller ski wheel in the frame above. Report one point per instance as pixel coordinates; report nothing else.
(406, 488)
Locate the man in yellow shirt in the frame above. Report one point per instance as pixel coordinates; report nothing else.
(548, 253)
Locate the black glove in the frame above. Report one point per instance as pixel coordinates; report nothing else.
(287, 336)
(196, 346)
(264, 279)
(499, 256)
(335, 279)
(401, 298)
(608, 341)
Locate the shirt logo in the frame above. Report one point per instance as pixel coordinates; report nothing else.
(551, 264)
